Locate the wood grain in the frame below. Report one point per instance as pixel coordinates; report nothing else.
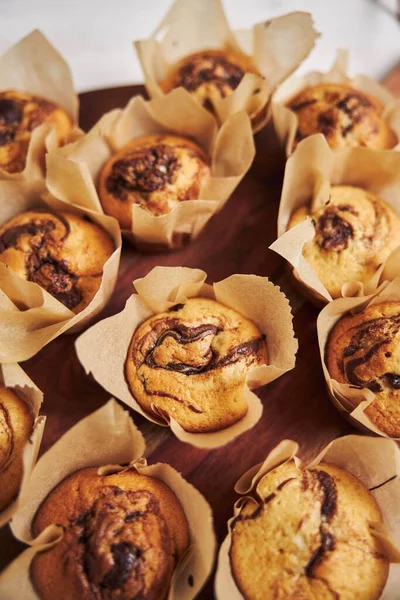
(295, 406)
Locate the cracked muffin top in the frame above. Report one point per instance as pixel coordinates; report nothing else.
(363, 350)
(355, 232)
(155, 172)
(60, 251)
(20, 114)
(209, 75)
(308, 537)
(345, 116)
(123, 536)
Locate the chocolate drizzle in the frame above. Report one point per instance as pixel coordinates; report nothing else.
(42, 268)
(209, 68)
(143, 171)
(369, 338)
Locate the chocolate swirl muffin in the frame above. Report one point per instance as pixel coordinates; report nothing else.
(156, 172)
(364, 350)
(62, 252)
(209, 75)
(355, 232)
(16, 423)
(123, 536)
(345, 116)
(308, 537)
(20, 113)
(191, 363)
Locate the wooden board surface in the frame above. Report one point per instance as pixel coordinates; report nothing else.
(295, 406)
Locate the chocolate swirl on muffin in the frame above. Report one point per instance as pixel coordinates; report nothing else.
(63, 253)
(20, 114)
(345, 116)
(209, 75)
(156, 172)
(190, 363)
(123, 536)
(306, 535)
(16, 423)
(363, 350)
(355, 232)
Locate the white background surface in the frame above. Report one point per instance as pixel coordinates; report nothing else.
(95, 36)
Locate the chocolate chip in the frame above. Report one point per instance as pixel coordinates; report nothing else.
(394, 380)
(124, 556)
(10, 112)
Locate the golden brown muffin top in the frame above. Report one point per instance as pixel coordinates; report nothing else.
(191, 362)
(20, 114)
(156, 172)
(355, 232)
(364, 350)
(16, 423)
(344, 115)
(60, 251)
(308, 537)
(209, 74)
(123, 536)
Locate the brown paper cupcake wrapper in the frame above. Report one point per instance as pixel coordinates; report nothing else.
(310, 172)
(276, 47)
(349, 401)
(102, 349)
(285, 120)
(105, 439)
(230, 150)
(29, 316)
(13, 377)
(34, 66)
(375, 462)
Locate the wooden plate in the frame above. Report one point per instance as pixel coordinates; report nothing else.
(296, 405)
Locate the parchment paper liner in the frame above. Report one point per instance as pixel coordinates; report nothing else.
(34, 66)
(230, 150)
(14, 378)
(374, 461)
(107, 437)
(309, 174)
(285, 120)
(29, 316)
(276, 48)
(103, 348)
(350, 401)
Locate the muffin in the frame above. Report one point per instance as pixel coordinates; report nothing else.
(16, 424)
(60, 251)
(190, 363)
(355, 232)
(209, 75)
(363, 350)
(308, 538)
(20, 113)
(155, 172)
(345, 116)
(123, 535)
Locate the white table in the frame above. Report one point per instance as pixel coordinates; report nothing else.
(95, 36)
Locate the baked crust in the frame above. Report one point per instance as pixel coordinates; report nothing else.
(308, 538)
(191, 362)
(355, 232)
(345, 116)
(62, 252)
(209, 75)
(123, 536)
(364, 350)
(156, 172)
(20, 113)
(16, 423)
